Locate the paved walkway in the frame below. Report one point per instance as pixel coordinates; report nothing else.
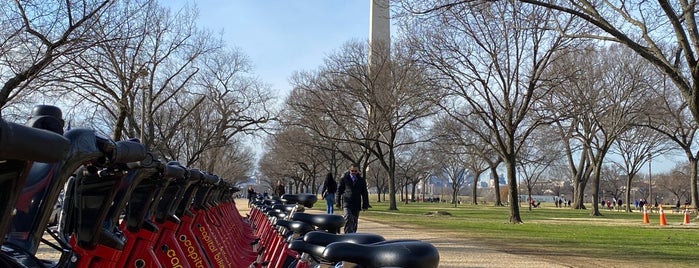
(453, 251)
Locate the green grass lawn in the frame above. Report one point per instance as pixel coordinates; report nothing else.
(552, 231)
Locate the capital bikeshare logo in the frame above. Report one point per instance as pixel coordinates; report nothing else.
(174, 260)
(192, 255)
(211, 246)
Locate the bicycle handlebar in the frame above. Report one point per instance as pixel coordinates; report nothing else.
(195, 174)
(128, 151)
(31, 144)
(173, 169)
(211, 179)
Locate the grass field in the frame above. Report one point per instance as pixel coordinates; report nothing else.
(556, 231)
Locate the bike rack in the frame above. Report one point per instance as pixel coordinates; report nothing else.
(124, 207)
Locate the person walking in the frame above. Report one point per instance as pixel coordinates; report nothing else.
(251, 195)
(279, 189)
(328, 192)
(352, 195)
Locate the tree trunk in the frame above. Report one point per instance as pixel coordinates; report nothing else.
(119, 125)
(496, 184)
(628, 193)
(454, 194)
(595, 190)
(392, 205)
(413, 192)
(406, 194)
(424, 182)
(693, 185)
(579, 195)
(512, 183)
(474, 191)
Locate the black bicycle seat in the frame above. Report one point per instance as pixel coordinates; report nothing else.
(402, 253)
(306, 200)
(297, 227)
(270, 202)
(276, 213)
(324, 238)
(301, 246)
(328, 222)
(286, 208)
(46, 117)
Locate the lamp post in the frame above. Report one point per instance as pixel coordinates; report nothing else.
(650, 179)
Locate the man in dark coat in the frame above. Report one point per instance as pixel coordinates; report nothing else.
(353, 196)
(279, 189)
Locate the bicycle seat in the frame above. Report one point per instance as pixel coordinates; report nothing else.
(401, 253)
(328, 222)
(275, 213)
(46, 117)
(269, 202)
(314, 243)
(286, 208)
(324, 238)
(297, 227)
(301, 246)
(306, 200)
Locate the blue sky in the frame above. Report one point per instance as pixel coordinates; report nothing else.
(284, 36)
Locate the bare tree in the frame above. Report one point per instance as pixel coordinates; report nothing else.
(149, 65)
(492, 57)
(670, 115)
(567, 109)
(665, 33)
(676, 183)
(477, 165)
(453, 137)
(412, 164)
(635, 147)
(612, 183)
(297, 156)
(452, 166)
(344, 92)
(536, 156)
(377, 176)
(327, 117)
(493, 167)
(163, 80)
(36, 34)
(608, 97)
(239, 103)
(236, 163)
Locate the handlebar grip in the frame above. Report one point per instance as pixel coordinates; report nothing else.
(195, 174)
(128, 151)
(31, 144)
(173, 170)
(149, 161)
(211, 178)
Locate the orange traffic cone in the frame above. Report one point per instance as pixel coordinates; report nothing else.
(686, 216)
(645, 215)
(663, 221)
